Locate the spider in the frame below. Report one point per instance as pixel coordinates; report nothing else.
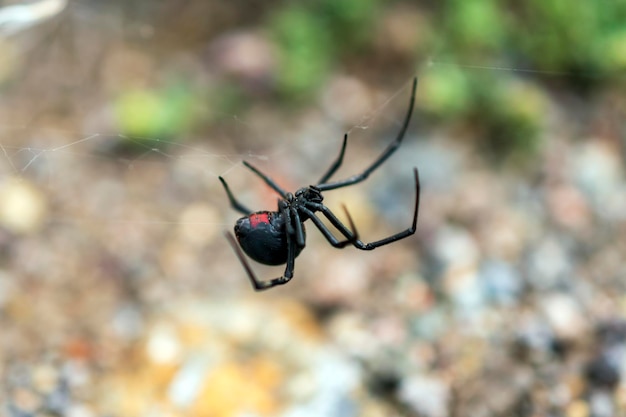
(278, 237)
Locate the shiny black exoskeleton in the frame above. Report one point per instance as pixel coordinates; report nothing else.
(262, 237)
(278, 237)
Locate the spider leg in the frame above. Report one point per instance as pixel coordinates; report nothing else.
(298, 229)
(391, 148)
(267, 180)
(233, 201)
(334, 220)
(400, 235)
(335, 166)
(372, 245)
(256, 283)
(352, 236)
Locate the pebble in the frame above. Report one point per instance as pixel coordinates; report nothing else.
(351, 333)
(249, 56)
(163, 344)
(188, 380)
(335, 379)
(22, 206)
(457, 252)
(549, 264)
(501, 282)
(578, 408)
(601, 404)
(455, 248)
(80, 410)
(568, 207)
(427, 396)
(503, 233)
(231, 358)
(45, 378)
(597, 169)
(431, 324)
(564, 315)
(127, 322)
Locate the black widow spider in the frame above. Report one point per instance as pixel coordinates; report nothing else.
(278, 237)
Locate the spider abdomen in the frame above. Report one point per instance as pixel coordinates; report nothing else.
(262, 237)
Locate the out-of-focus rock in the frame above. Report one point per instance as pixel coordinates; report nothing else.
(22, 206)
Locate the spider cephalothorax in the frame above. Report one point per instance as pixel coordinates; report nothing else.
(309, 194)
(278, 237)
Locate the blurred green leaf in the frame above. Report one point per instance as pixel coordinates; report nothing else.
(516, 113)
(153, 113)
(310, 36)
(613, 49)
(446, 92)
(305, 49)
(475, 26)
(351, 21)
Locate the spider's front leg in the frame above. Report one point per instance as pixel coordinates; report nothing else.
(352, 236)
(235, 204)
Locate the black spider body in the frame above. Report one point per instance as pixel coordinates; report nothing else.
(278, 237)
(262, 234)
(262, 237)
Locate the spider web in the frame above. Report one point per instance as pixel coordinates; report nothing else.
(66, 164)
(56, 159)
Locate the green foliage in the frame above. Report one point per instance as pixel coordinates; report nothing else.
(584, 42)
(549, 35)
(305, 50)
(512, 114)
(474, 27)
(350, 21)
(311, 35)
(156, 113)
(446, 93)
(558, 34)
(613, 47)
(576, 35)
(505, 113)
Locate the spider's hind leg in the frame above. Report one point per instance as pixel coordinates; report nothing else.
(256, 283)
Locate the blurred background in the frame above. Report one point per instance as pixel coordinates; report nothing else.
(119, 295)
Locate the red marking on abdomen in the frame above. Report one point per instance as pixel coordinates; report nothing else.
(257, 218)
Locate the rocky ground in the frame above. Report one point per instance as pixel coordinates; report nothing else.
(119, 295)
